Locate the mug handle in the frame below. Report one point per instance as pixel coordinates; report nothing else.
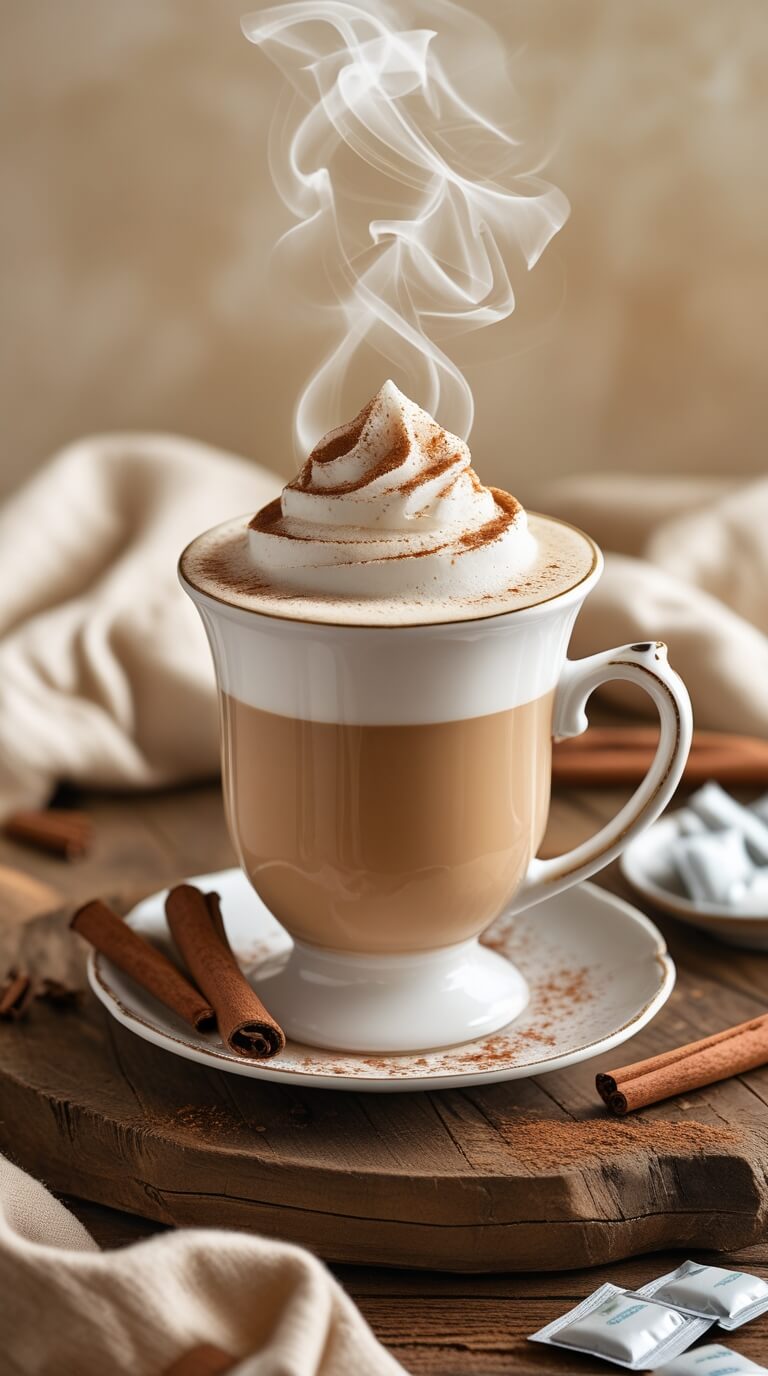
(646, 665)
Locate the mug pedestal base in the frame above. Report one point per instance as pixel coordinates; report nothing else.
(417, 1001)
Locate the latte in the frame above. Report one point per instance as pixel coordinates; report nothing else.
(386, 700)
(390, 640)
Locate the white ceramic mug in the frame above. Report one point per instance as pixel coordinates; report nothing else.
(370, 970)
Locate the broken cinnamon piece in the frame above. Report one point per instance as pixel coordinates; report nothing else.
(245, 1025)
(107, 933)
(15, 995)
(731, 1052)
(61, 995)
(204, 1360)
(59, 830)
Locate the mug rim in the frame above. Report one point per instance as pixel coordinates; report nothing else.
(577, 591)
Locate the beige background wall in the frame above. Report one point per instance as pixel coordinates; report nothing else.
(138, 217)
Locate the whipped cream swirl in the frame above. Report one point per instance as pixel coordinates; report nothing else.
(388, 506)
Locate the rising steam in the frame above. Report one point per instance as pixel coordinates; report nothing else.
(412, 201)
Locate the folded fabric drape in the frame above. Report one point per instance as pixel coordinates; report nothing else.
(68, 1307)
(686, 562)
(105, 677)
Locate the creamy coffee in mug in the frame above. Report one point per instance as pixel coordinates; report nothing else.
(390, 644)
(415, 836)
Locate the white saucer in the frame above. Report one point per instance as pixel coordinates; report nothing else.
(598, 971)
(648, 866)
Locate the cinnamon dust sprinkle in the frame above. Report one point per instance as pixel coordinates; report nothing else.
(339, 441)
(268, 517)
(563, 992)
(220, 565)
(267, 520)
(539, 1146)
(201, 1123)
(395, 457)
(398, 450)
(223, 566)
(551, 1144)
(433, 470)
(205, 1120)
(510, 508)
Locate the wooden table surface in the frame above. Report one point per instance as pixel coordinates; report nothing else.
(437, 1323)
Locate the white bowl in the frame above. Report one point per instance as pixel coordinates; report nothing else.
(648, 866)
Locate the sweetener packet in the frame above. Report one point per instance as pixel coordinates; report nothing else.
(714, 866)
(721, 812)
(730, 1298)
(623, 1327)
(712, 1360)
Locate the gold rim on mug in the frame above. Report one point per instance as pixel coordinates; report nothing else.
(595, 565)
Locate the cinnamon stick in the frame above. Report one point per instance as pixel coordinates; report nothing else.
(107, 933)
(59, 830)
(733, 1051)
(198, 930)
(16, 994)
(610, 756)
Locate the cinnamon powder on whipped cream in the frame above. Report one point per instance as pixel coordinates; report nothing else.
(382, 508)
(494, 528)
(336, 443)
(388, 524)
(341, 442)
(435, 470)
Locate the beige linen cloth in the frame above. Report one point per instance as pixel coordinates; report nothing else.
(105, 676)
(686, 562)
(68, 1307)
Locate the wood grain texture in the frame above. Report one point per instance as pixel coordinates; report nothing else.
(433, 1180)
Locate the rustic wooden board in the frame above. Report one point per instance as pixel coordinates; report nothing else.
(525, 1176)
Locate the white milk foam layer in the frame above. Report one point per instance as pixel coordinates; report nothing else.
(397, 677)
(219, 564)
(388, 507)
